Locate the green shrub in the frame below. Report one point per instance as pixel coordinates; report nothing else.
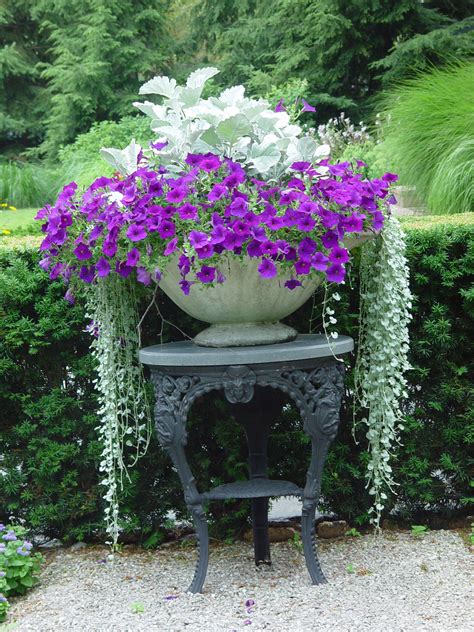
(35, 184)
(429, 136)
(81, 161)
(49, 446)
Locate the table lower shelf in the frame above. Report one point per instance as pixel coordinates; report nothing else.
(254, 488)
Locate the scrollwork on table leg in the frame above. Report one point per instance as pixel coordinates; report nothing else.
(318, 394)
(174, 396)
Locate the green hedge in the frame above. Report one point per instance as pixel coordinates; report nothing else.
(48, 446)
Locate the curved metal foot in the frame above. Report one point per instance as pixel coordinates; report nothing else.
(309, 544)
(203, 550)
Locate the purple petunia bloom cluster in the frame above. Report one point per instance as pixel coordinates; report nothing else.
(134, 226)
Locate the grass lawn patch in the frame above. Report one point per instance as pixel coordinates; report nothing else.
(21, 218)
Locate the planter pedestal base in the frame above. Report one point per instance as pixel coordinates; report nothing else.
(305, 370)
(245, 335)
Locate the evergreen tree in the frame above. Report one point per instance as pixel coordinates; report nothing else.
(101, 51)
(22, 46)
(333, 44)
(65, 65)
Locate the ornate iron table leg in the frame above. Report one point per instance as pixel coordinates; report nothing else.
(325, 390)
(173, 398)
(318, 394)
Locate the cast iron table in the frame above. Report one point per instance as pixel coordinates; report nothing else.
(308, 369)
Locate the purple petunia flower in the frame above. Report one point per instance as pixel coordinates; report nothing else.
(109, 248)
(238, 207)
(335, 273)
(338, 255)
(157, 275)
(280, 107)
(82, 252)
(123, 269)
(354, 223)
(87, 274)
(166, 229)
(302, 267)
(306, 223)
(171, 247)
(306, 247)
(210, 162)
(158, 146)
(206, 274)
(274, 223)
(133, 257)
(330, 239)
(307, 207)
(143, 276)
(185, 286)
(56, 270)
(205, 252)
(2, 527)
(291, 284)
(232, 241)
(240, 228)
(184, 265)
(267, 269)
(254, 248)
(136, 233)
(69, 297)
(198, 239)
(217, 192)
(187, 211)
(288, 197)
(102, 267)
(234, 179)
(296, 183)
(44, 264)
(177, 194)
(307, 107)
(300, 166)
(378, 220)
(194, 160)
(218, 234)
(319, 261)
(328, 218)
(390, 177)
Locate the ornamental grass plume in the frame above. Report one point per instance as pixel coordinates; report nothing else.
(429, 136)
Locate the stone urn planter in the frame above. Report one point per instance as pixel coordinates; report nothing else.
(246, 309)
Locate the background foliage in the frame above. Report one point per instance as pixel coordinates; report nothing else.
(64, 66)
(49, 446)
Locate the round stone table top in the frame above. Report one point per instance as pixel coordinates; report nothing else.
(188, 354)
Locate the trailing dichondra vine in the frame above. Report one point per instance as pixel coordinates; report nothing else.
(382, 354)
(125, 420)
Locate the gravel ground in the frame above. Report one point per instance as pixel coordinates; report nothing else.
(390, 583)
